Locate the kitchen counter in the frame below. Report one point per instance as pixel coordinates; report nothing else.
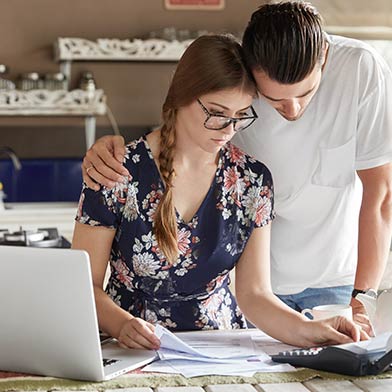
(39, 215)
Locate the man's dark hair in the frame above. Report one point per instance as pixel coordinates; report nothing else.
(284, 40)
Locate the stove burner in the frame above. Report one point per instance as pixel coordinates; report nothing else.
(40, 238)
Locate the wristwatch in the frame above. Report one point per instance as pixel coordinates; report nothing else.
(370, 292)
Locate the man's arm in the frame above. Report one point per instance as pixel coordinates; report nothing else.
(103, 162)
(375, 228)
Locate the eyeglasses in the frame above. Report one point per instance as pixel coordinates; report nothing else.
(217, 122)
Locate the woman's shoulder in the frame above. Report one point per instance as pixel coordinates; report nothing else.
(242, 161)
(136, 151)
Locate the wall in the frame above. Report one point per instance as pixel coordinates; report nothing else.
(135, 91)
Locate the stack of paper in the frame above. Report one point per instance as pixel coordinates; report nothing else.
(380, 343)
(201, 353)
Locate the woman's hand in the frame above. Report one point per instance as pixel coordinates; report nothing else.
(138, 333)
(103, 162)
(335, 330)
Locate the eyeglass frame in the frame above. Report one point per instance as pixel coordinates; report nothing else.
(232, 120)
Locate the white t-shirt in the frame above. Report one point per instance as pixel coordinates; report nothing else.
(346, 127)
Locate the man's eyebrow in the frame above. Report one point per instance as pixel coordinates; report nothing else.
(226, 108)
(282, 99)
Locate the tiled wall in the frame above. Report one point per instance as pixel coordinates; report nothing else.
(42, 180)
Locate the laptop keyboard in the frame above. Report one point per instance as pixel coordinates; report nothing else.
(108, 362)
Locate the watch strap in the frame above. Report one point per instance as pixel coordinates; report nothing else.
(355, 292)
(370, 292)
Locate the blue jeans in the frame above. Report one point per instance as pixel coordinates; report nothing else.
(310, 298)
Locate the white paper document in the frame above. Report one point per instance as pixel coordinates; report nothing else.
(193, 354)
(382, 342)
(224, 344)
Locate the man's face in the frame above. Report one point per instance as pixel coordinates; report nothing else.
(290, 100)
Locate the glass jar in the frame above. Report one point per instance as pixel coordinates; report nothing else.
(87, 83)
(30, 81)
(5, 84)
(55, 81)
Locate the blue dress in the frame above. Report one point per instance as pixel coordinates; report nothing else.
(193, 293)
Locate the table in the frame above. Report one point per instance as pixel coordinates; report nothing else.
(302, 380)
(314, 386)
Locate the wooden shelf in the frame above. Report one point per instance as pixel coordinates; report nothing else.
(52, 103)
(80, 49)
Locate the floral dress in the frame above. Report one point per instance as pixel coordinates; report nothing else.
(193, 292)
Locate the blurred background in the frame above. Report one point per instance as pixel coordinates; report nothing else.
(51, 148)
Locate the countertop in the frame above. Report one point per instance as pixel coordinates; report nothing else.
(39, 215)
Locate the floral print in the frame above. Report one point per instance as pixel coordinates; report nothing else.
(193, 292)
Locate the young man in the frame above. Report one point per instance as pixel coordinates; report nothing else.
(326, 134)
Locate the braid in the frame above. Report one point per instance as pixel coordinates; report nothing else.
(165, 223)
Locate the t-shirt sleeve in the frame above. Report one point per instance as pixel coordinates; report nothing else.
(103, 207)
(374, 129)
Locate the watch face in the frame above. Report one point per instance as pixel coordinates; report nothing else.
(371, 293)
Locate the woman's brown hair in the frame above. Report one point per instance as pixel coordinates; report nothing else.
(211, 63)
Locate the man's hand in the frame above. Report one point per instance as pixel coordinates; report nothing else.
(360, 316)
(335, 330)
(103, 163)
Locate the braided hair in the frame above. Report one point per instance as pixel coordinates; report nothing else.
(210, 64)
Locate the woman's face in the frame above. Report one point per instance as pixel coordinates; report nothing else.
(192, 127)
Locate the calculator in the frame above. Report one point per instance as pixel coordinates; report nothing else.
(352, 361)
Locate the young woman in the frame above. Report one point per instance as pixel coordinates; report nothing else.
(192, 208)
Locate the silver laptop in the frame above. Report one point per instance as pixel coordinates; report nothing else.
(48, 322)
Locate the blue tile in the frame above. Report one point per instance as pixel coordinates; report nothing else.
(42, 180)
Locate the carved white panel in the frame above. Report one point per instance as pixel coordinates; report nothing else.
(73, 49)
(52, 103)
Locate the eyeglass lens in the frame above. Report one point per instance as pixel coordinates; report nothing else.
(218, 122)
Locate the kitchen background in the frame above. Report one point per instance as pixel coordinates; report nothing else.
(134, 90)
(51, 148)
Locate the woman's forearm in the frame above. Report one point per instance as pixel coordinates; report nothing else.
(111, 317)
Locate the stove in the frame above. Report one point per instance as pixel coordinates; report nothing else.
(40, 238)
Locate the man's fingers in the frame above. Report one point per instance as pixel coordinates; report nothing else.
(88, 180)
(100, 173)
(338, 338)
(348, 327)
(363, 321)
(105, 168)
(119, 148)
(105, 156)
(101, 178)
(342, 330)
(365, 335)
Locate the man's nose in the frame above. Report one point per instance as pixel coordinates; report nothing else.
(292, 108)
